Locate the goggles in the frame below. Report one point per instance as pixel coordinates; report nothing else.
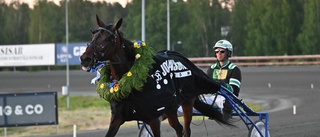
(221, 51)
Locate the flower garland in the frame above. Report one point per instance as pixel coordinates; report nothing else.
(133, 79)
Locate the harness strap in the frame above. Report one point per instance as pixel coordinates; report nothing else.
(113, 34)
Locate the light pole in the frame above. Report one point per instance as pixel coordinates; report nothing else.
(168, 24)
(67, 57)
(143, 20)
(178, 42)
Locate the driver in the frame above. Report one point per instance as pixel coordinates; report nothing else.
(226, 71)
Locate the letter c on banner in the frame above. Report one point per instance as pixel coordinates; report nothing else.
(29, 109)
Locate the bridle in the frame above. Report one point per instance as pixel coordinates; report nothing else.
(99, 54)
(99, 49)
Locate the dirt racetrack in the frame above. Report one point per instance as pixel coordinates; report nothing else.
(276, 88)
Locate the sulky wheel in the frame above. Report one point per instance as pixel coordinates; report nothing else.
(253, 132)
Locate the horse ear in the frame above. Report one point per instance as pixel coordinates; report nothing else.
(100, 23)
(119, 23)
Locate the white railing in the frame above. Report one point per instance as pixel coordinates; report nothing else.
(262, 60)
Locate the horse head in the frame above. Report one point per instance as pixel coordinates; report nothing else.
(106, 40)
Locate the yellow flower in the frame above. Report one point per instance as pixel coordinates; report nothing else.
(136, 45)
(111, 90)
(116, 87)
(138, 56)
(101, 86)
(129, 74)
(144, 44)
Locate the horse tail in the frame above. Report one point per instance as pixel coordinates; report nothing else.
(211, 112)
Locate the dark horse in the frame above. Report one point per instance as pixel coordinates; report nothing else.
(172, 81)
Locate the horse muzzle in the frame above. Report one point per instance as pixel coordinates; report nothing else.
(86, 68)
(86, 64)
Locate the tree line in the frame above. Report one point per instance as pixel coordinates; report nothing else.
(255, 27)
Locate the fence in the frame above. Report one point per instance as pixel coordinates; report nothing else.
(262, 60)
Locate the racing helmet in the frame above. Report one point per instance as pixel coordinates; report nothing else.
(225, 45)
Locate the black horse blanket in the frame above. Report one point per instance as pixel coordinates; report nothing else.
(172, 79)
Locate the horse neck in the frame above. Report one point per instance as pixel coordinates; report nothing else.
(122, 61)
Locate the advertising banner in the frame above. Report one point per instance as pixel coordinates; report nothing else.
(27, 109)
(27, 55)
(75, 50)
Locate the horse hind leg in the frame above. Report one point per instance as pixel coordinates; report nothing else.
(174, 122)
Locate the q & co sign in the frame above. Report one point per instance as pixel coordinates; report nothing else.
(27, 109)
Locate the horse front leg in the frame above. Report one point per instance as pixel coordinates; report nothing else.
(116, 122)
(187, 107)
(155, 127)
(174, 122)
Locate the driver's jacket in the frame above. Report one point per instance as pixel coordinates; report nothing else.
(229, 73)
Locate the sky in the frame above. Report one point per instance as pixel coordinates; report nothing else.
(31, 2)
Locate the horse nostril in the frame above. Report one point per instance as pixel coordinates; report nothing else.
(87, 59)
